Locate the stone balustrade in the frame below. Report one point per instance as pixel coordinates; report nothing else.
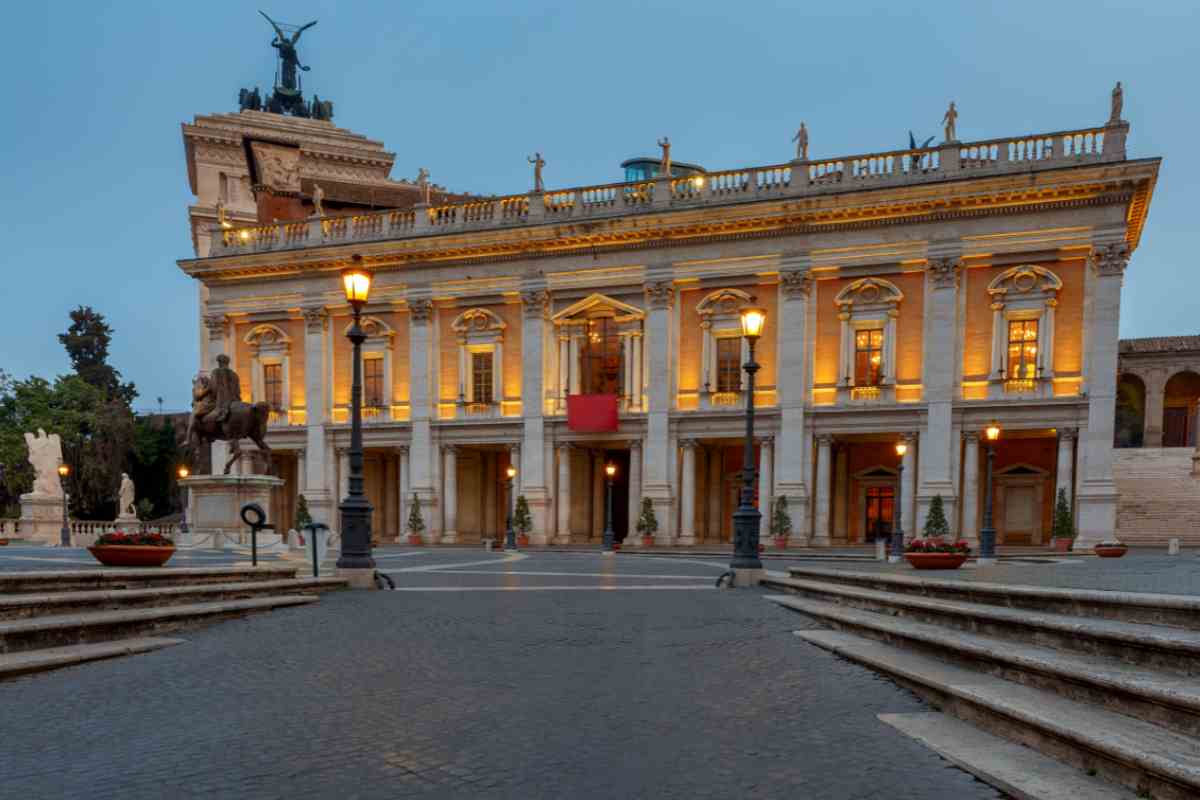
(781, 181)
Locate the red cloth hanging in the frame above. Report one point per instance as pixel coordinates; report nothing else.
(592, 413)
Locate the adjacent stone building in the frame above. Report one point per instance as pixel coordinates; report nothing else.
(913, 295)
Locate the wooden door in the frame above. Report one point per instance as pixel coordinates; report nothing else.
(1021, 513)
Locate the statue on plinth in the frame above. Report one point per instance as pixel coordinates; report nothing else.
(1118, 103)
(801, 140)
(125, 499)
(950, 120)
(45, 454)
(219, 415)
(318, 199)
(538, 162)
(665, 167)
(424, 185)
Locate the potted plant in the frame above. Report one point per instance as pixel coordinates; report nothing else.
(781, 522)
(936, 526)
(1063, 535)
(522, 521)
(647, 523)
(303, 517)
(1111, 548)
(936, 553)
(121, 549)
(416, 524)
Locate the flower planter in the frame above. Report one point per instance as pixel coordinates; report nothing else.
(1111, 551)
(131, 555)
(647, 541)
(414, 538)
(522, 540)
(3, 542)
(780, 542)
(1063, 545)
(935, 560)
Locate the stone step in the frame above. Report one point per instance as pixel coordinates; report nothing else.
(1018, 772)
(24, 606)
(14, 664)
(1144, 757)
(1151, 646)
(1162, 698)
(1182, 611)
(136, 578)
(98, 626)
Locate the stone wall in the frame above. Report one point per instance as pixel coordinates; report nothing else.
(1159, 498)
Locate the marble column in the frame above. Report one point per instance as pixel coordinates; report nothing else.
(938, 443)
(403, 488)
(421, 401)
(597, 506)
(491, 502)
(450, 496)
(687, 490)
(824, 466)
(714, 492)
(635, 492)
(841, 495)
(659, 454)
(1066, 465)
(794, 349)
(908, 484)
(533, 477)
(563, 534)
(970, 495)
(766, 479)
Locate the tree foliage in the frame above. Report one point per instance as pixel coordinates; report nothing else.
(935, 523)
(303, 516)
(416, 524)
(522, 519)
(86, 340)
(647, 523)
(1064, 522)
(781, 520)
(155, 459)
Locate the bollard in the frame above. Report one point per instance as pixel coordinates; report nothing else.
(880, 550)
(1173, 546)
(254, 516)
(312, 529)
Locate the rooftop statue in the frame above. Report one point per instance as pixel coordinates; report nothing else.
(951, 123)
(538, 162)
(423, 185)
(665, 168)
(289, 59)
(1118, 103)
(288, 97)
(801, 140)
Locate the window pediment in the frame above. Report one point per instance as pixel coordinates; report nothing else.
(723, 303)
(478, 320)
(268, 337)
(598, 305)
(869, 293)
(374, 328)
(1027, 280)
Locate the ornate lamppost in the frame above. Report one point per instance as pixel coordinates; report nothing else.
(183, 499)
(510, 533)
(898, 528)
(64, 535)
(355, 508)
(987, 534)
(610, 472)
(746, 519)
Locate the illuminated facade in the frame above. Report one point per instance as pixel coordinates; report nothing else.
(915, 295)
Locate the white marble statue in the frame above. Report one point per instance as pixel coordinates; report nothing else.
(801, 140)
(125, 496)
(423, 185)
(950, 120)
(45, 454)
(318, 199)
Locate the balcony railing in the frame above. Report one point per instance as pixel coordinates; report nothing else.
(865, 393)
(794, 179)
(1020, 386)
(724, 399)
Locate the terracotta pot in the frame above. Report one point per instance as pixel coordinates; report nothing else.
(131, 555)
(616, 545)
(3, 542)
(647, 541)
(1063, 545)
(780, 542)
(935, 560)
(1111, 551)
(414, 538)
(522, 540)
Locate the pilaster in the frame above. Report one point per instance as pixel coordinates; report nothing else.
(421, 450)
(936, 457)
(795, 347)
(656, 481)
(533, 475)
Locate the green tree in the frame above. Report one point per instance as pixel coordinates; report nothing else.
(86, 340)
(936, 526)
(303, 517)
(647, 523)
(155, 458)
(1064, 523)
(416, 525)
(781, 520)
(522, 519)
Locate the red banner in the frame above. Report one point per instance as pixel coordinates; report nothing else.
(592, 413)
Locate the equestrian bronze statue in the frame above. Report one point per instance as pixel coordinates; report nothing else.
(218, 415)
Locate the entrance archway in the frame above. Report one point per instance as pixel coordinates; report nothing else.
(1131, 411)
(1179, 410)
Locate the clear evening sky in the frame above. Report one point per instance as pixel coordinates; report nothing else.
(94, 202)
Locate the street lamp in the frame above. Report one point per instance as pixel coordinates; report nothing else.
(898, 528)
(987, 534)
(355, 508)
(510, 534)
(64, 536)
(183, 499)
(746, 519)
(610, 472)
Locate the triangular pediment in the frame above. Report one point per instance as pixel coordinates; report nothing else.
(593, 302)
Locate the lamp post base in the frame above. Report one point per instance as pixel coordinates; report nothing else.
(743, 576)
(359, 577)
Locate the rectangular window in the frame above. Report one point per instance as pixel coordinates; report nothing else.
(481, 378)
(273, 385)
(1022, 349)
(600, 358)
(373, 382)
(868, 357)
(729, 368)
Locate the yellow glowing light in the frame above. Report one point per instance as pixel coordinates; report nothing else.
(753, 321)
(356, 281)
(698, 181)
(875, 359)
(901, 448)
(610, 470)
(244, 234)
(511, 472)
(992, 432)
(63, 470)
(183, 472)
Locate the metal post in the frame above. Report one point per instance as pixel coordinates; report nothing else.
(510, 535)
(65, 533)
(987, 534)
(313, 528)
(898, 529)
(746, 519)
(355, 508)
(608, 516)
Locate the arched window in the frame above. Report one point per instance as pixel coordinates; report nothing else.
(270, 362)
(1131, 411)
(376, 368)
(1023, 303)
(480, 362)
(1179, 410)
(868, 309)
(723, 348)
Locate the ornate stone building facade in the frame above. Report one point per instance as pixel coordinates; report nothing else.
(911, 295)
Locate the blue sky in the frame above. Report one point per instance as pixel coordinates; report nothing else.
(94, 202)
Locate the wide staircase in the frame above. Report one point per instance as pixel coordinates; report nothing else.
(56, 619)
(1105, 682)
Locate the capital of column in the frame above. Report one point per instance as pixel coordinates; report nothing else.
(825, 439)
(635, 444)
(402, 449)
(216, 324)
(795, 284)
(563, 448)
(660, 294)
(766, 441)
(450, 449)
(1068, 434)
(943, 272)
(314, 318)
(420, 310)
(688, 444)
(535, 304)
(1109, 259)
(908, 437)
(971, 436)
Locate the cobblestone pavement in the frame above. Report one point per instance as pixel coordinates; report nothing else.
(480, 681)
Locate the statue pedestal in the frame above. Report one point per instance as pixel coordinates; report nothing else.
(215, 502)
(127, 522)
(41, 518)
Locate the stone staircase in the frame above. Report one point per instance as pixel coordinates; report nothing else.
(55, 619)
(1105, 682)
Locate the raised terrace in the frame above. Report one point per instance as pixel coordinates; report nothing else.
(796, 179)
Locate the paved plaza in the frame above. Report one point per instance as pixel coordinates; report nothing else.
(484, 675)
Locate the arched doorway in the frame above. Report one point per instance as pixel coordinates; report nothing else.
(1131, 411)
(1179, 410)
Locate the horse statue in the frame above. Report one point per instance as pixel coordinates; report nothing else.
(245, 421)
